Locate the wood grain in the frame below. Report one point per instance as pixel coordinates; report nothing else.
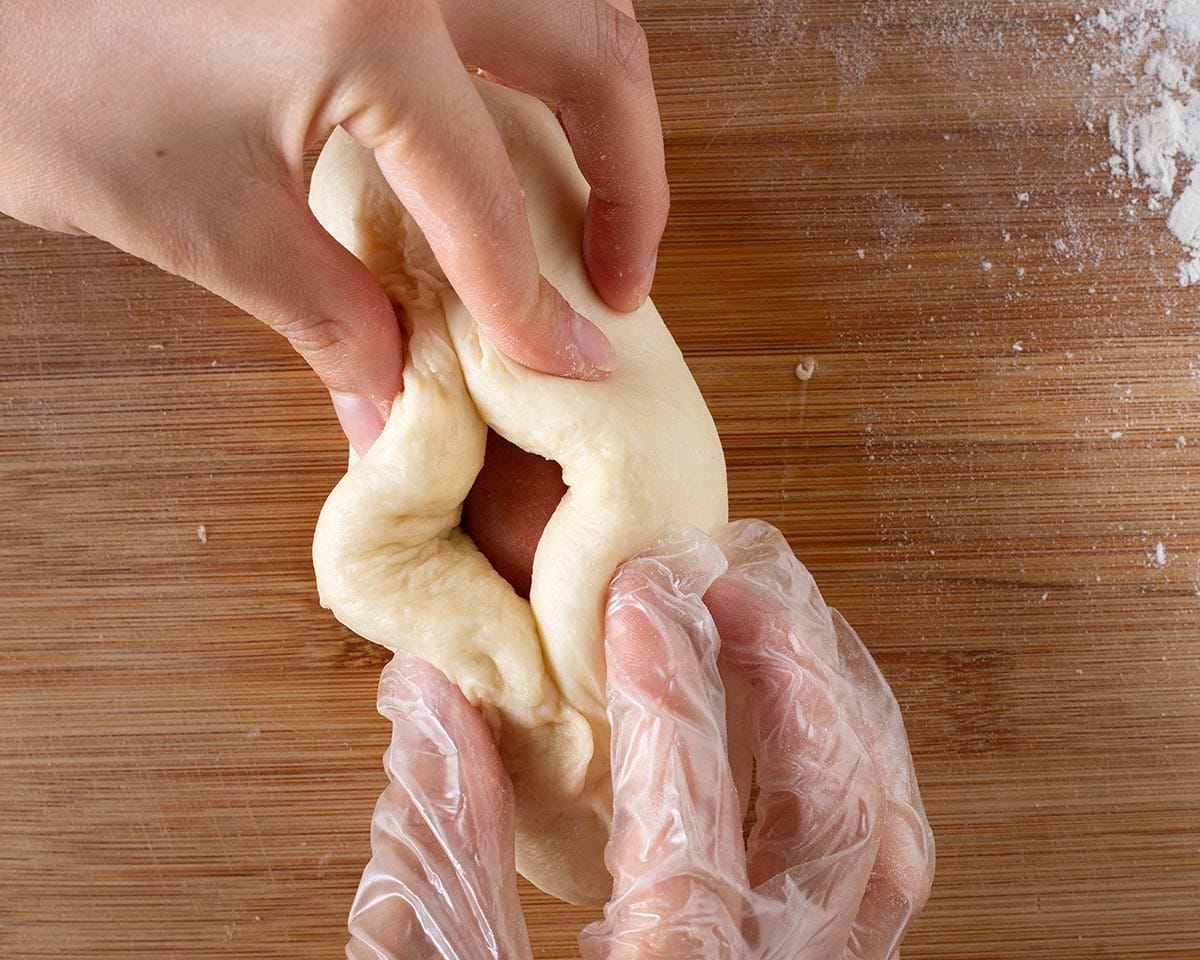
(979, 473)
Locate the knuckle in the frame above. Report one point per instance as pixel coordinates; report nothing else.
(658, 200)
(620, 47)
(358, 37)
(380, 127)
(351, 21)
(919, 889)
(337, 26)
(318, 339)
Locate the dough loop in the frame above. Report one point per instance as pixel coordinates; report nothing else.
(639, 454)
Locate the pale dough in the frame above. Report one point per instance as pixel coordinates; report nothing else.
(639, 454)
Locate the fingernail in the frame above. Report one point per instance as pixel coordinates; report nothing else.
(360, 419)
(594, 346)
(647, 280)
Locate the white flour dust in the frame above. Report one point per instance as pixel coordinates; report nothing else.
(1154, 45)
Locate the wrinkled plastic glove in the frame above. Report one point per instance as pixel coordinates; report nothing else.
(838, 863)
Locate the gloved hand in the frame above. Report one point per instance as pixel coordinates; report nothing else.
(840, 859)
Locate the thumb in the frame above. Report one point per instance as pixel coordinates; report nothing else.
(442, 880)
(343, 325)
(275, 261)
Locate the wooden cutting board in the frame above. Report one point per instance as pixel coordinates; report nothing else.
(1002, 425)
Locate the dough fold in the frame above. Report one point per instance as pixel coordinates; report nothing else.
(639, 454)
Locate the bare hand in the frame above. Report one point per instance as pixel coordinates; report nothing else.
(177, 132)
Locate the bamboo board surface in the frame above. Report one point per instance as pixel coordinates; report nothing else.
(979, 473)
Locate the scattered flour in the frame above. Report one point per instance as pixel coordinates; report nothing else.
(202, 533)
(1183, 17)
(1158, 556)
(1154, 45)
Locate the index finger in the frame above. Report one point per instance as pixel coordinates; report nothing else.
(444, 158)
(441, 881)
(838, 807)
(591, 60)
(903, 872)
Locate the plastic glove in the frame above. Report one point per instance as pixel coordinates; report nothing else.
(837, 865)
(442, 879)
